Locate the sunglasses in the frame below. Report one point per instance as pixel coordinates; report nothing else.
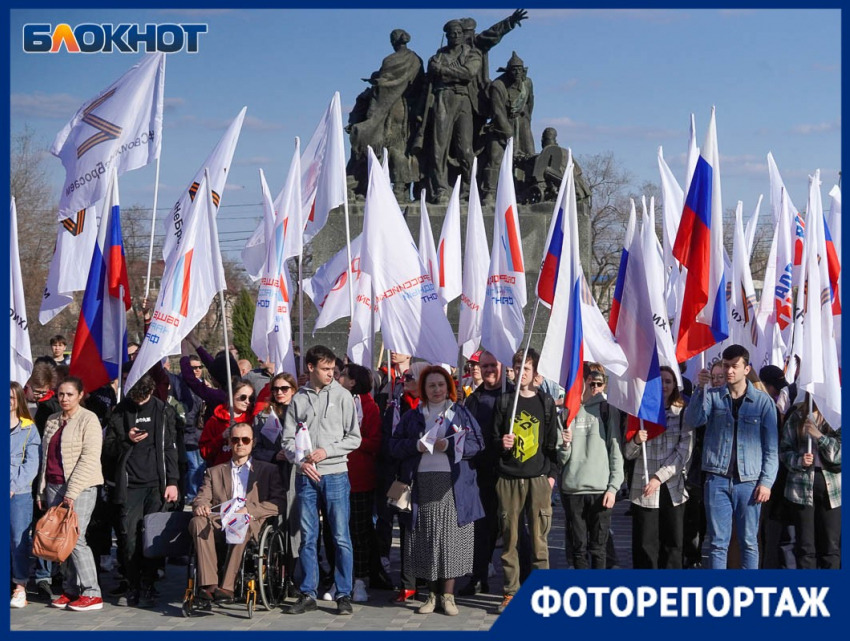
(594, 385)
(197, 367)
(245, 440)
(245, 397)
(409, 377)
(281, 388)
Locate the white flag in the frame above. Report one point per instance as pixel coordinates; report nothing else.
(303, 444)
(323, 181)
(218, 163)
(412, 317)
(271, 338)
(655, 274)
(819, 373)
(693, 155)
(19, 336)
(743, 329)
(672, 201)
(503, 324)
(69, 267)
(328, 286)
(449, 279)
(122, 127)
(427, 249)
(752, 225)
(476, 263)
(192, 278)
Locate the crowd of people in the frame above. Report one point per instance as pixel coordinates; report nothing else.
(746, 470)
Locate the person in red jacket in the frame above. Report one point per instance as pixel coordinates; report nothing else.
(362, 475)
(214, 444)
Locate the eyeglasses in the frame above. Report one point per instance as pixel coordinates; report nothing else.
(408, 378)
(245, 397)
(281, 388)
(38, 393)
(245, 440)
(595, 385)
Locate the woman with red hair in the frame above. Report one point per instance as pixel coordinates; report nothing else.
(434, 445)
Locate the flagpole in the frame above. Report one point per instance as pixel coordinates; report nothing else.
(300, 317)
(121, 353)
(809, 445)
(522, 366)
(348, 254)
(643, 454)
(153, 229)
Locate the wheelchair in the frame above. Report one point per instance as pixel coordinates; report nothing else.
(262, 571)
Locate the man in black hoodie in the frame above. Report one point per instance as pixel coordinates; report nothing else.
(140, 459)
(526, 468)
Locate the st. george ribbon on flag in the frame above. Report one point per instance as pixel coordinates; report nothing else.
(100, 344)
(192, 278)
(120, 129)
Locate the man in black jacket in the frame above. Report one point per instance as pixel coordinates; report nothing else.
(140, 459)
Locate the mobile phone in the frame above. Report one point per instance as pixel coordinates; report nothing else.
(141, 430)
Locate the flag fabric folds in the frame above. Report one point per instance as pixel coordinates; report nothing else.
(218, 163)
(699, 247)
(672, 202)
(743, 329)
(819, 370)
(448, 250)
(20, 351)
(100, 344)
(503, 324)
(614, 315)
(69, 267)
(191, 279)
(271, 338)
(411, 313)
(328, 288)
(427, 248)
(121, 128)
(476, 262)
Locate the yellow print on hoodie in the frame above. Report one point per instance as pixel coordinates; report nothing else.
(527, 436)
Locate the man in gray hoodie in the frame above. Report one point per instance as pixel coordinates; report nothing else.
(325, 410)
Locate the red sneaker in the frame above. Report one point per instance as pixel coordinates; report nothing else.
(63, 601)
(404, 595)
(85, 603)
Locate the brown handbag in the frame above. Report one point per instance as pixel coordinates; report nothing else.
(400, 496)
(56, 534)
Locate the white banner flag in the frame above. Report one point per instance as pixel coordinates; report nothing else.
(218, 163)
(503, 324)
(427, 249)
(271, 338)
(192, 278)
(122, 127)
(743, 329)
(69, 267)
(412, 317)
(476, 263)
(449, 279)
(19, 336)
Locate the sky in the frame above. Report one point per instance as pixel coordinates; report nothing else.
(620, 80)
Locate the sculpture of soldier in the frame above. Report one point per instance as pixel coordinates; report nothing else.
(545, 171)
(386, 113)
(512, 102)
(447, 122)
(483, 42)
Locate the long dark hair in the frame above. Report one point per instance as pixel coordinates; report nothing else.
(675, 399)
(280, 408)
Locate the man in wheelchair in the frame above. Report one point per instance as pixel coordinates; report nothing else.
(258, 483)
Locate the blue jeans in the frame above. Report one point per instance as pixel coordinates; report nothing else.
(195, 467)
(332, 490)
(725, 498)
(20, 514)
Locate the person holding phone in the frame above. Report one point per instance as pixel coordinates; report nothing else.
(140, 459)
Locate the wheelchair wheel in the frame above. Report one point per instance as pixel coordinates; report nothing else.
(250, 608)
(271, 568)
(187, 608)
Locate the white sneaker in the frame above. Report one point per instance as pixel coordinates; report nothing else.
(19, 599)
(359, 594)
(330, 594)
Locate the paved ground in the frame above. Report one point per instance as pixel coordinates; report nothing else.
(378, 614)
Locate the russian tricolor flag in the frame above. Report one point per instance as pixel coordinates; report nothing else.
(614, 315)
(100, 345)
(699, 248)
(563, 349)
(834, 265)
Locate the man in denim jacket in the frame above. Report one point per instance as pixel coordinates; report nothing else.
(739, 458)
